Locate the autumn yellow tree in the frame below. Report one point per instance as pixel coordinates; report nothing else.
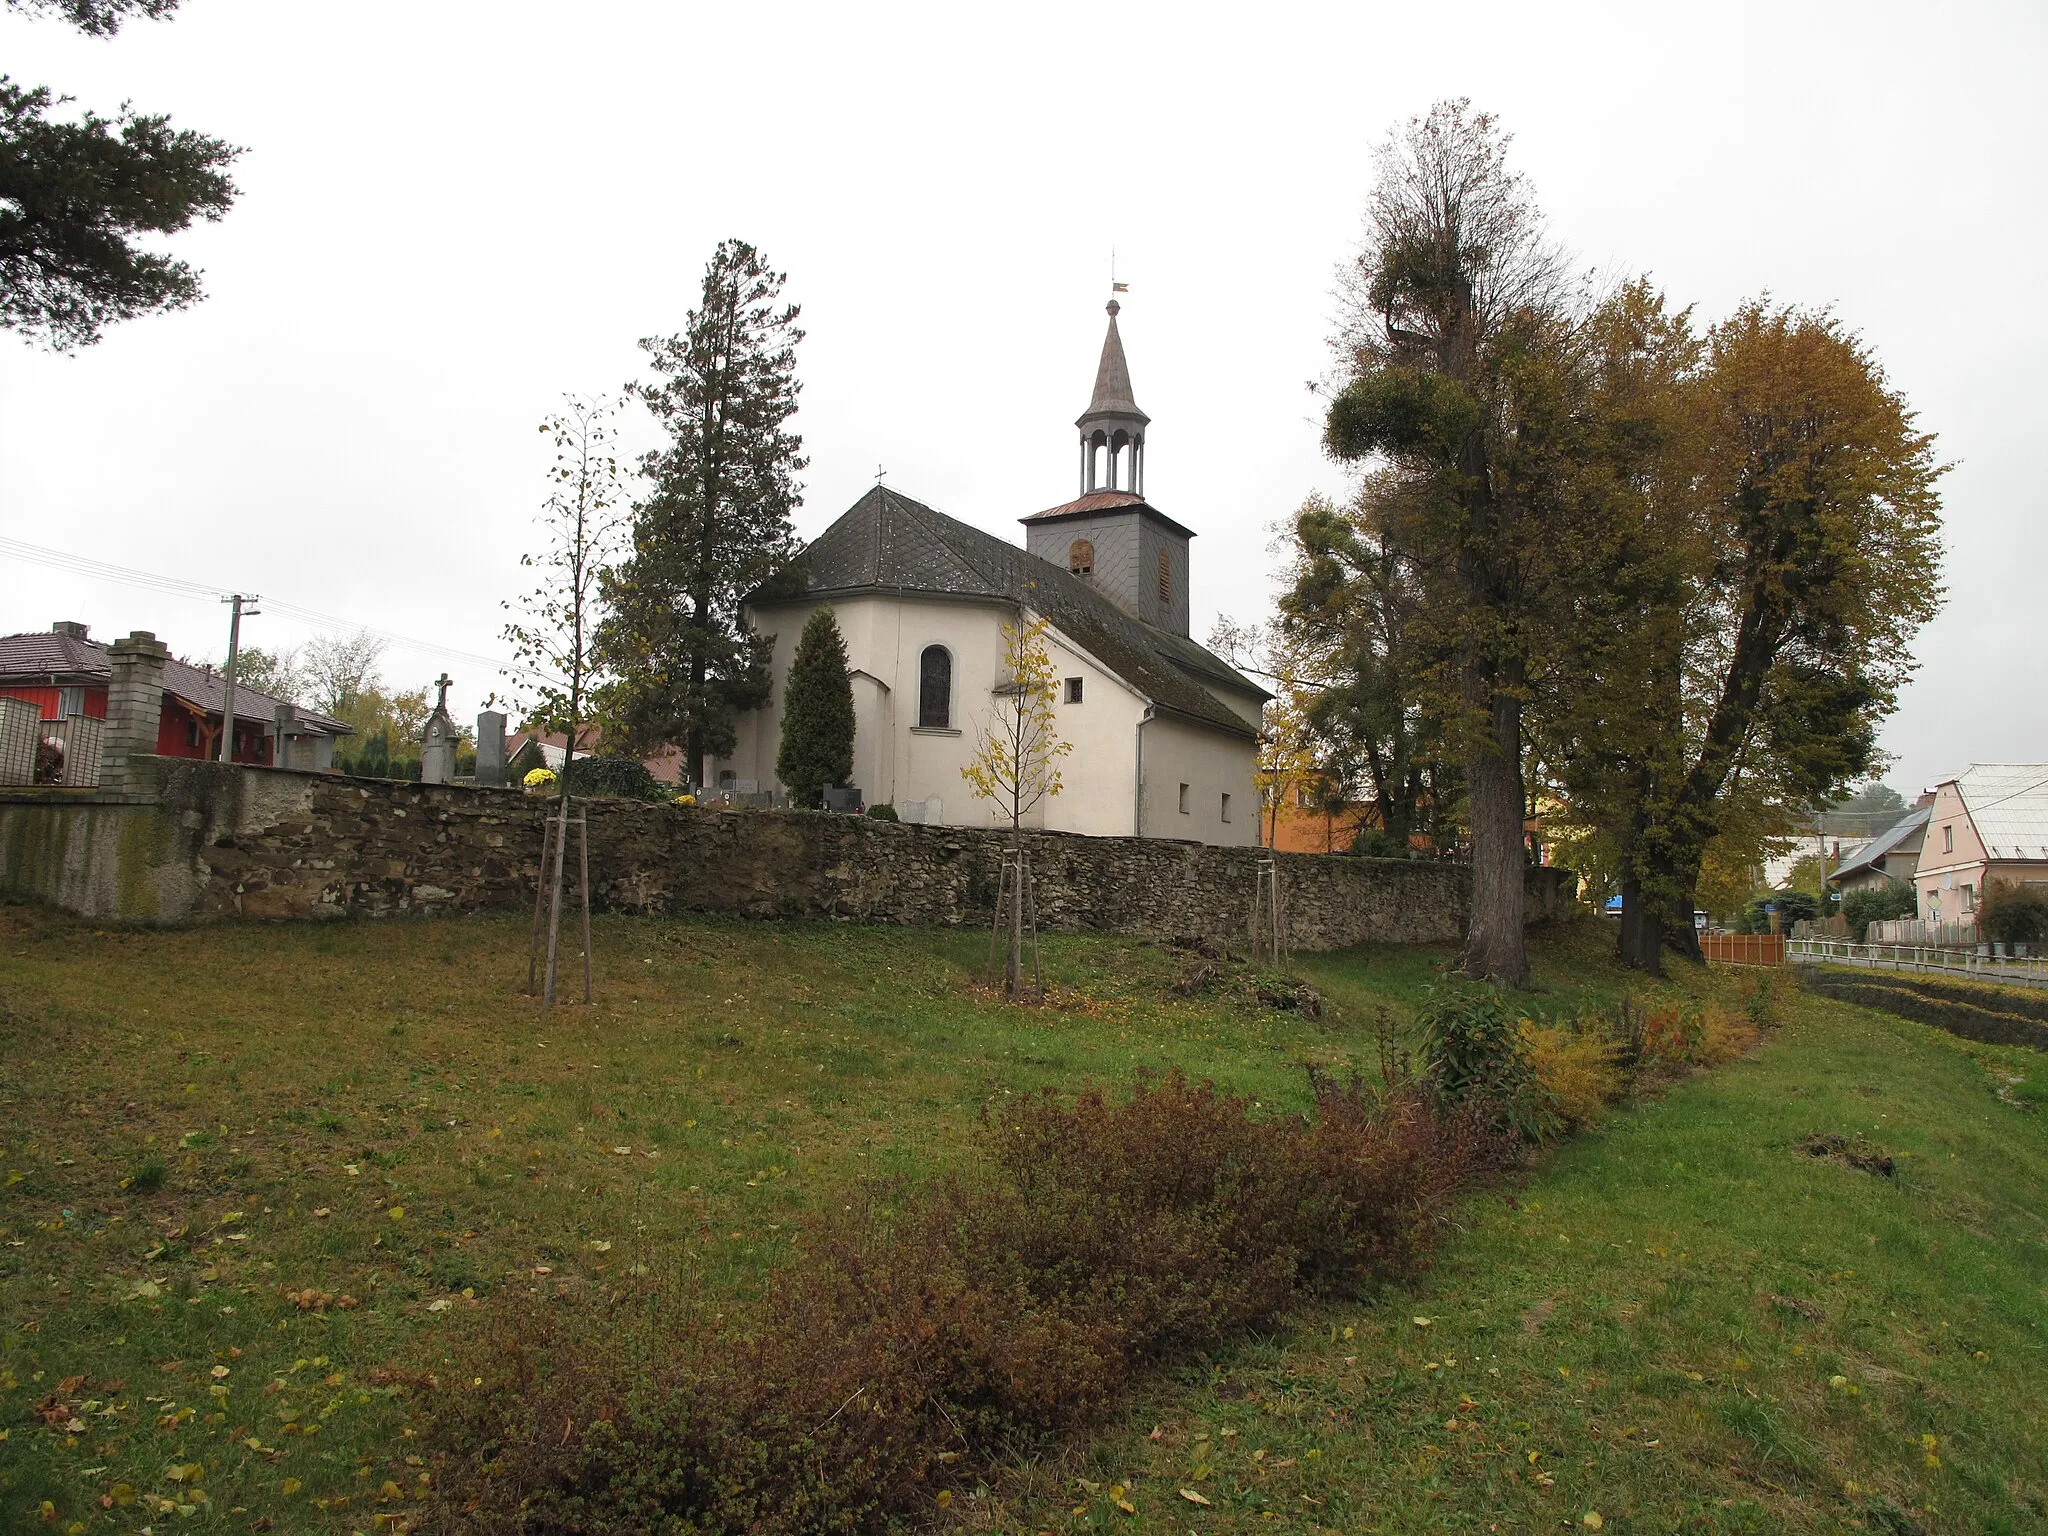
(1287, 760)
(1017, 753)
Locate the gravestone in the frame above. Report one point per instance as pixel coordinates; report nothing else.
(490, 747)
(846, 800)
(437, 746)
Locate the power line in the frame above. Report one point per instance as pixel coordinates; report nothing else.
(82, 565)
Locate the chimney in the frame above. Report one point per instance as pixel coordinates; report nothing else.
(71, 629)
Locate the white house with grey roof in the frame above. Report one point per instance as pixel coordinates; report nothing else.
(1164, 732)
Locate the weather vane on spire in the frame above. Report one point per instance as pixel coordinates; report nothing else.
(1114, 285)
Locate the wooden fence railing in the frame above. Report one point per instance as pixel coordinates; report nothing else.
(1744, 948)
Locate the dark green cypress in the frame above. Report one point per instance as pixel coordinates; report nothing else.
(817, 714)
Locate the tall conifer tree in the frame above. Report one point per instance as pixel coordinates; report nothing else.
(817, 714)
(715, 524)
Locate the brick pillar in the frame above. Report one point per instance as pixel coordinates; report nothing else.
(287, 732)
(135, 705)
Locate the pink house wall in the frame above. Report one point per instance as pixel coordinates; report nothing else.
(1953, 867)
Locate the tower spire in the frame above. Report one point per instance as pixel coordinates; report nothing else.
(1113, 428)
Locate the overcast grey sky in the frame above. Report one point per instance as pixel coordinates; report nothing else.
(453, 213)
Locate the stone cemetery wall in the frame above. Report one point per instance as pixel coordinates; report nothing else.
(201, 840)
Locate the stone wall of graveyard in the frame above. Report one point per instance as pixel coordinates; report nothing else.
(188, 841)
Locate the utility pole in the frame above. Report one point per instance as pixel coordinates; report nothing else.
(227, 708)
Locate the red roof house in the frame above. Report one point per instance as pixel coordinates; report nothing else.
(66, 673)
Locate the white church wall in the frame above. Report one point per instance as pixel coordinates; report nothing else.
(1248, 707)
(1099, 777)
(1211, 765)
(918, 769)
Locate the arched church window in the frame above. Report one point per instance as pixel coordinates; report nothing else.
(935, 687)
(1081, 557)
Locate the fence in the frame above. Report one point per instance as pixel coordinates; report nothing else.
(37, 751)
(1743, 948)
(1921, 935)
(21, 729)
(2023, 970)
(79, 737)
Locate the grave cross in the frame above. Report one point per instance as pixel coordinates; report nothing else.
(444, 682)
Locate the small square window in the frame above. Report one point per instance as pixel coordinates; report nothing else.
(1074, 690)
(1183, 799)
(1226, 807)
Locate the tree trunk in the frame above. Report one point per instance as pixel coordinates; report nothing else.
(1494, 949)
(1013, 963)
(1641, 944)
(1680, 935)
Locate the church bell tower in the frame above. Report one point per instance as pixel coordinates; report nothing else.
(1113, 428)
(1110, 536)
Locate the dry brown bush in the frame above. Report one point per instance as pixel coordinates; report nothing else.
(894, 1360)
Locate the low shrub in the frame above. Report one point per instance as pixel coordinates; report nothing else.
(1472, 1054)
(1793, 907)
(882, 810)
(1578, 1070)
(894, 1360)
(623, 778)
(1876, 904)
(2012, 913)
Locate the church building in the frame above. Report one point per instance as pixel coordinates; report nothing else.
(1164, 732)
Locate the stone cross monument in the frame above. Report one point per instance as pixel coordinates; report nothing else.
(437, 747)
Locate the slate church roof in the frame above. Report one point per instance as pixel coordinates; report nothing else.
(1094, 503)
(889, 542)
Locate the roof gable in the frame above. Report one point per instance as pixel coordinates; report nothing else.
(1873, 853)
(2007, 804)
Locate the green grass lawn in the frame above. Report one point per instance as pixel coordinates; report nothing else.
(257, 1178)
(1679, 1323)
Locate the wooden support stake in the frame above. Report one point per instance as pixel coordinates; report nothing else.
(583, 827)
(540, 897)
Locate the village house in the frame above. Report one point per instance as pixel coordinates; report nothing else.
(1164, 732)
(1893, 854)
(1990, 823)
(65, 674)
(528, 749)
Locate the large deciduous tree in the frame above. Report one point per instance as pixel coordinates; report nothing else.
(77, 190)
(817, 714)
(1821, 495)
(1459, 381)
(715, 523)
(1774, 548)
